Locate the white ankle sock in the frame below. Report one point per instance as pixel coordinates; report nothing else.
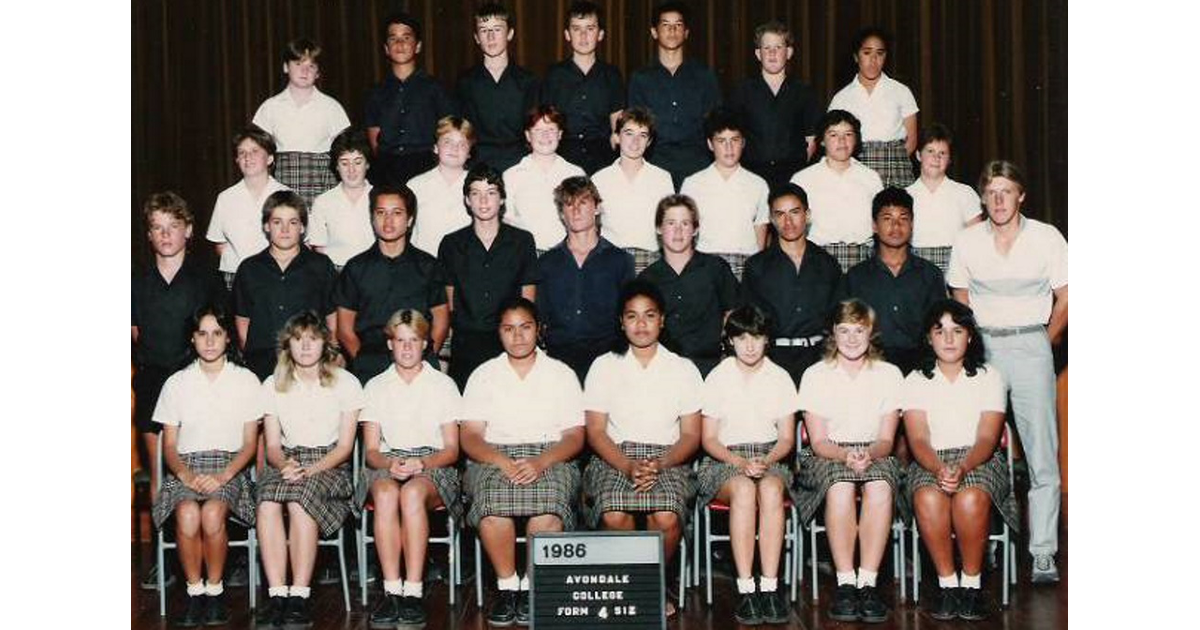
(866, 578)
(277, 591)
(948, 581)
(525, 583)
(846, 578)
(745, 585)
(393, 587)
(214, 588)
(299, 591)
(767, 585)
(414, 589)
(196, 589)
(510, 583)
(972, 581)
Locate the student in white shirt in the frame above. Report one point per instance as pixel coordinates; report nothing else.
(340, 223)
(439, 190)
(310, 411)
(209, 413)
(749, 435)
(851, 401)
(410, 438)
(942, 207)
(531, 182)
(954, 407)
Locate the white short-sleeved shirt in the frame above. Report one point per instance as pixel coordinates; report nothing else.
(748, 406)
(309, 414)
(629, 204)
(533, 410)
(854, 406)
(211, 415)
(953, 409)
(530, 200)
(411, 415)
(1012, 290)
(881, 111)
(730, 209)
(643, 403)
(939, 215)
(840, 203)
(237, 222)
(307, 128)
(440, 209)
(341, 226)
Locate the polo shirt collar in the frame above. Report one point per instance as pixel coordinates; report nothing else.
(909, 262)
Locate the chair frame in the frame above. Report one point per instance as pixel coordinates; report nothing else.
(792, 540)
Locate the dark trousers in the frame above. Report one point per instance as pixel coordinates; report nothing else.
(397, 169)
(469, 351)
(590, 155)
(795, 360)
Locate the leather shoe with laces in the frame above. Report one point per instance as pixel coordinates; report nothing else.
(412, 611)
(774, 607)
(387, 613)
(972, 605)
(871, 608)
(944, 606)
(273, 612)
(193, 612)
(845, 603)
(522, 608)
(504, 609)
(298, 617)
(747, 612)
(216, 612)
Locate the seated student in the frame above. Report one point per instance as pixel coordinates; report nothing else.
(732, 200)
(840, 190)
(340, 226)
(850, 402)
(522, 425)
(954, 408)
(410, 434)
(643, 424)
(439, 190)
(303, 120)
(209, 412)
(749, 436)
(632, 188)
(236, 224)
(310, 410)
(942, 207)
(530, 182)
(699, 288)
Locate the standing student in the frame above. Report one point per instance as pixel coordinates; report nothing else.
(209, 414)
(942, 207)
(310, 411)
(886, 108)
(531, 182)
(410, 437)
(402, 111)
(439, 190)
(1012, 270)
(236, 224)
(643, 423)
(522, 426)
(340, 226)
(780, 112)
(495, 94)
(632, 188)
(749, 435)
(678, 91)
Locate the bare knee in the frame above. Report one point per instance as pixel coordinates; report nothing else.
(544, 523)
(971, 502)
(212, 517)
(187, 518)
(617, 520)
(929, 503)
(770, 492)
(413, 497)
(877, 493)
(742, 492)
(385, 493)
(664, 522)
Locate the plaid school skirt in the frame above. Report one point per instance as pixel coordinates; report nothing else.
(737, 262)
(642, 258)
(890, 160)
(444, 479)
(491, 493)
(990, 476)
(713, 474)
(306, 173)
(238, 494)
(939, 256)
(817, 474)
(609, 490)
(848, 254)
(325, 496)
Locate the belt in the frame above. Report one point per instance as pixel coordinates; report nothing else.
(799, 342)
(1009, 331)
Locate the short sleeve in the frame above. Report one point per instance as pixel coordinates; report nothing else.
(727, 286)
(890, 389)
(529, 273)
(994, 394)
(710, 400)
(972, 205)
(216, 223)
(248, 392)
(957, 275)
(444, 256)
(346, 292)
(450, 407)
(338, 120)
(762, 211)
(243, 299)
(268, 398)
(167, 411)
(435, 285)
(908, 104)
(596, 385)
(477, 396)
(1058, 259)
(349, 392)
(810, 393)
(691, 388)
(317, 233)
(570, 398)
(263, 118)
(783, 397)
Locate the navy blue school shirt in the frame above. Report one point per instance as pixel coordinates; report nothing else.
(578, 305)
(484, 278)
(162, 310)
(697, 300)
(407, 112)
(497, 110)
(586, 101)
(798, 301)
(777, 125)
(900, 301)
(375, 286)
(269, 295)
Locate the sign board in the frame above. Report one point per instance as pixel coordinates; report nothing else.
(597, 580)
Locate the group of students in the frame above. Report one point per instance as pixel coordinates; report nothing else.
(596, 359)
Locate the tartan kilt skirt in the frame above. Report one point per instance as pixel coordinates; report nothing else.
(306, 173)
(990, 476)
(609, 490)
(890, 160)
(325, 496)
(939, 256)
(491, 493)
(848, 254)
(642, 258)
(444, 479)
(816, 475)
(238, 494)
(713, 474)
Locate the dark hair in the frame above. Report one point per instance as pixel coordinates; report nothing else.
(517, 303)
(962, 315)
(299, 48)
(287, 198)
(546, 112)
(582, 9)
(670, 7)
(494, 10)
(790, 188)
(224, 320)
(722, 119)
(637, 115)
(169, 202)
(573, 188)
(836, 117)
(891, 197)
(483, 173)
(402, 17)
(744, 319)
(258, 135)
(671, 201)
(632, 289)
(350, 140)
(868, 32)
(773, 26)
(403, 191)
(933, 133)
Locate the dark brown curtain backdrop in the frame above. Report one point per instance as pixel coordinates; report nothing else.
(995, 71)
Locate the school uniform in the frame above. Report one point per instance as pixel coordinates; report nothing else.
(882, 112)
(730, 209)
(237, 223)
(840, 204)
(628, 209)
(938, 216)
(303, 133)
(340, 226)
(440, 208)
(697, 300)
(530, 200)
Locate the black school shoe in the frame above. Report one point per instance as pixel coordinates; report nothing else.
(217, 612)
(273, 612)
(972, 605)
(193, 612)
(387, 613)
(747, 612)
(297, 617)
(503, 611)
(774, 607)
(871, 608)
(944, 606)
(522, 608)
(412, 611)
(845, 603)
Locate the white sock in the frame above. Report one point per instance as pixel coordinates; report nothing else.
(767, 585)
(277, 591)
(745, 585)
(299, 591)
(972, 581)
(949, 581)
(414, 589)
(214, 588)
(194, 590)
(393, 587)
(846, 578)
(510, 583)
(866, 578)
(525, 583)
